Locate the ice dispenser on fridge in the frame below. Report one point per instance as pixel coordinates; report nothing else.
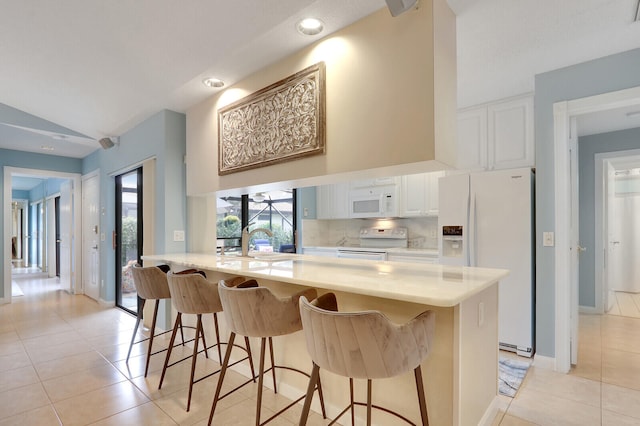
(452, 241)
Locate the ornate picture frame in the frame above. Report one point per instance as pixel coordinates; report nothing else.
(278, 123)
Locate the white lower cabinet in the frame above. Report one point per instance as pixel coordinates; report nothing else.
(320, 251)
(413, 258)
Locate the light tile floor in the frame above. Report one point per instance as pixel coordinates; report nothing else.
(62, 362)
(625, 304)
(603, 389)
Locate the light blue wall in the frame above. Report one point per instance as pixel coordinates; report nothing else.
(588, 147)
(30, 160)
(595, 77)
(19, 194)
(162, 136)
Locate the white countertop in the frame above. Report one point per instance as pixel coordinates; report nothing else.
(436, 285)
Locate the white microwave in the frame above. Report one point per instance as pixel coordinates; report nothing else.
(373, 202)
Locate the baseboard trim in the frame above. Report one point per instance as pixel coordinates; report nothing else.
(492, 411)
(588, 310)
(548, 363)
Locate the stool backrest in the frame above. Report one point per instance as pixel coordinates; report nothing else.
(151, 282)
(255, 311)
(364, 345)
(193, 294)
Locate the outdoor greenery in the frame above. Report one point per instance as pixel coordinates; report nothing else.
(129, 239)
(230, 227)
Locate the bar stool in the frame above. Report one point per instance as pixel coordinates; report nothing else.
(251, 310)
(151, 283)
(191, 293)
(364, 345)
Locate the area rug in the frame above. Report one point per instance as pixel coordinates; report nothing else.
(511, 374)
(16, 290)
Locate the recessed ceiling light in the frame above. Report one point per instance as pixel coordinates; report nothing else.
(46, 147)
(310, 26)
(213, 82)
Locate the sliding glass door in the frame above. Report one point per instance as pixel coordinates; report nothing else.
(128, 237)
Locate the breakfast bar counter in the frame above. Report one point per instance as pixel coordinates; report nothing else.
(460, 374)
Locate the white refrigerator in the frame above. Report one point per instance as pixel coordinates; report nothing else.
(486, 219)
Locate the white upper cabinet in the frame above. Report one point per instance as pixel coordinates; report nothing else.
(419, 194)
(498, 135)
(332, 201)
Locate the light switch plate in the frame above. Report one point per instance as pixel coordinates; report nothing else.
(178, 235)
(548, 239)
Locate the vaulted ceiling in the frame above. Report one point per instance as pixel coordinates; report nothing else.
(75, 71)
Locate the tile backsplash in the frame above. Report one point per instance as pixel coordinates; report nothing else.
(422, 232)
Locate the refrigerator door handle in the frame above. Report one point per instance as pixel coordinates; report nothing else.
(471, 237)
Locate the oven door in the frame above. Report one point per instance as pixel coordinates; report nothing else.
(362, 254)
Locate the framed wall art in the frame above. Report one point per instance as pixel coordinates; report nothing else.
(282, 122)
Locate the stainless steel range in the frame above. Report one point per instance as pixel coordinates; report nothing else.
(374, 242)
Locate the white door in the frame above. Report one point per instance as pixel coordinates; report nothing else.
(90, 236)
(611, 266)
(574, 241)
(500, 228)
(67, 280)
(51, 237)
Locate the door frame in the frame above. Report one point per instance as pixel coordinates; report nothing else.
(86, 251)
(563, 112)
(9, 171)
(601, 225)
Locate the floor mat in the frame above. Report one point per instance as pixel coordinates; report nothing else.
(511, 374)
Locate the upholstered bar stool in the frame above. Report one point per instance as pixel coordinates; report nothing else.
(254, 311)
(364, 345)
(194, 294)
(151, 283)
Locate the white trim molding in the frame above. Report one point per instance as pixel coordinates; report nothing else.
(563, 112)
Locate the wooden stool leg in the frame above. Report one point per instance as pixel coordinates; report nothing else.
(369, 402)
(135, 329)
(173, 338)
(273, 366)
(181, 332)
(194, 358)
(223, 371)
(151, 336)
(321, 396)
(421, 398)
(353, 413)
(315, 378)
(215, 323)
(248, 346)
(263, 345)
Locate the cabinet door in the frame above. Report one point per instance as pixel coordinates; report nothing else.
(431, 206)
(332, 201)
(414, 191)
(510, 133)
(472, 139)
(340, 201)
(323, 202)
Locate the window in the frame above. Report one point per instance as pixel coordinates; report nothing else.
(273, 210)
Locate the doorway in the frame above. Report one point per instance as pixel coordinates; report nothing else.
(128, 237)
(618, 231)
(566, 245)
(74, 211)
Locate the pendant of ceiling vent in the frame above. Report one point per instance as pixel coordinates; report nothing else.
(398, 7)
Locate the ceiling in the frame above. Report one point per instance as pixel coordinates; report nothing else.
(75, 71)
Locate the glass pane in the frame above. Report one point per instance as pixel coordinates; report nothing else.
(274, 212)
(229, 222)
(129, 239)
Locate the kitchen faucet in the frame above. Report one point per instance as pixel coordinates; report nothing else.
(246, 236)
